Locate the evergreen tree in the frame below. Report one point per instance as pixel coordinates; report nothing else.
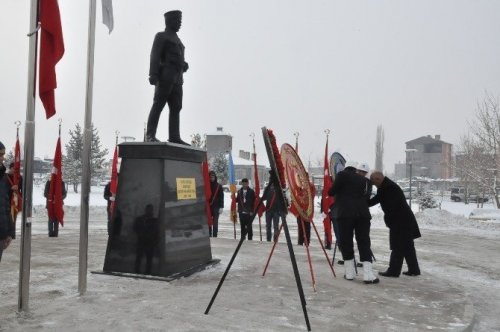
(426, 201)
(72, 162)
(220, 165)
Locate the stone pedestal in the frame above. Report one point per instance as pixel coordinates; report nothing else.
(159, 226)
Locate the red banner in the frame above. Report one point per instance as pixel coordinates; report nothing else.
(54, 198)
(208, 192)
(113, 186)
(51, 51)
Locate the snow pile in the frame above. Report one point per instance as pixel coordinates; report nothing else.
(441, 219)
(485, 214)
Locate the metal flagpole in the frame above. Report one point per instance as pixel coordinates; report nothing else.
(29, 152)
(87, 140)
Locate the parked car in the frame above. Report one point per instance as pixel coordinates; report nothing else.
(458, 194)
(414, 192)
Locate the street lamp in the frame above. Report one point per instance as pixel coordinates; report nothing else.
(410, 153)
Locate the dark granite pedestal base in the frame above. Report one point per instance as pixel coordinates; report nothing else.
(159, 227)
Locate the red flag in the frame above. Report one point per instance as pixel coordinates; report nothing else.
(208, 192)
(17, 199)
(262, 209)
(51, 51)
(55, 199)
(326, 201)
(114, 178)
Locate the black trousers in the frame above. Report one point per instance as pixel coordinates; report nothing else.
(272, 225)
(246, 225)
(360, 227)
(171, 94)
(53, 228)
(307, 226)
(407, 253)
(213, 230)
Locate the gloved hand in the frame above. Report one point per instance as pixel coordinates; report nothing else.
(186, 66)
(112, 198)
(220, 210)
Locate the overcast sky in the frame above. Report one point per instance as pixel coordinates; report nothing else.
(416, 67)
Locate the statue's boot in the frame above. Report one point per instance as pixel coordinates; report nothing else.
(174, 135)
(153, 119)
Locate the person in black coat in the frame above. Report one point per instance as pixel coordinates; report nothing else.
(400, 220)
(246, 202)
(216, 203)
(353, 215)
(274, 209)
(108, 196)
(7, 230)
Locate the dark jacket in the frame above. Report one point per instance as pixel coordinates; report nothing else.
(273, 204)
(167, 58)
(398, 216)
(217, 198)
(350, 191)
(6, 224)
(245, 202)
(108, 194)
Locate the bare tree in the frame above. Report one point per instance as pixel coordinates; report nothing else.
(478, 162)
(379, 149)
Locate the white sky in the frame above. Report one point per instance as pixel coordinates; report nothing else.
(416, 67)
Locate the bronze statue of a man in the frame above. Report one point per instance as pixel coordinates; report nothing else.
(166, 70)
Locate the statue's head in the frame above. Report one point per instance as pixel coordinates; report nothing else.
(173, 20)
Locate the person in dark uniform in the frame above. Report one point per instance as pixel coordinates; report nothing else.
(7, 230)
(166, 70)
(353, 215)
(403, 227)
(108, 196)
(216, 203)
(53, 224)
(147, 229)
(246, 200)
(273, 214)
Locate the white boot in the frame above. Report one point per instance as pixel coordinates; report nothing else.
(349, 269)
(368, 275)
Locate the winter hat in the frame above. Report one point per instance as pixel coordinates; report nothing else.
(351, 163)
(363, 167)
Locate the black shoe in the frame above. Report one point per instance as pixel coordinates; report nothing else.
(411, 274)
(340, 262)
(374, 281)
(152, 139)
(358, 264)
(328, 246)
(388, 274)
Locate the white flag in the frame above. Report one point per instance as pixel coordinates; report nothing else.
(107, 14)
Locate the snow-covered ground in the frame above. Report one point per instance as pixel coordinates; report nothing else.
(458, 256)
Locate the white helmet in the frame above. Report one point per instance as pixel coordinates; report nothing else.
(351, 163)
(363, 167)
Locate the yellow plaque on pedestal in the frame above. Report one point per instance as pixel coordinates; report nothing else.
(186, 188)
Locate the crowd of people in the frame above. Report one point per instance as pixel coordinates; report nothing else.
(350, 217)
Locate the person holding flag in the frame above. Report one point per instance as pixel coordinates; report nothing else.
(216, 203)
(55, 192)
(7, 229)
(273, 213)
